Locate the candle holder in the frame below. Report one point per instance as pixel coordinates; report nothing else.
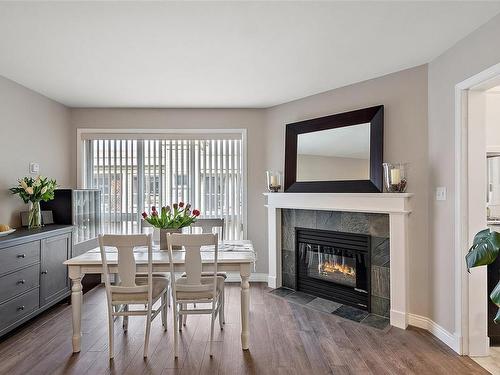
(273, 181)
(395, 177)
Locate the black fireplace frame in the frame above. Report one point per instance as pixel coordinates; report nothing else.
(360, 243)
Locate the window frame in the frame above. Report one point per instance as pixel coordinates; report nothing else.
(137, 132)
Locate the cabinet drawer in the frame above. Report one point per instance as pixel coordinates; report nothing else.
(18, 308)
(19, 282)
(19, 256)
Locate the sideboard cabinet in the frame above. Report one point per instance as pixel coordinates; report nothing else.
(32, 275)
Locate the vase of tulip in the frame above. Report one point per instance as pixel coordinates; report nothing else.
(171, 220)
(33, 191)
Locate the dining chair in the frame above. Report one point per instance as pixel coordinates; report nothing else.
(195, 288)
(132, 288)
(208, 226)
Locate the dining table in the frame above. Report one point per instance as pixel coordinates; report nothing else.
(233, 256)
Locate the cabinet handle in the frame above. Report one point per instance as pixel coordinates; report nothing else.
(21, 282)
(45, 272)
(21, 255)
(20, 308)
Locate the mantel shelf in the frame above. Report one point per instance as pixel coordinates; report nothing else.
(355, 202)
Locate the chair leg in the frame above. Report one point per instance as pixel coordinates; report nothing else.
(212, 334)
(168, 296)
(125, 319)
(221, 311)
(111, 334)
(163, 312)
(181, 317)
(184, 317)
(148, 331)
(176, 332)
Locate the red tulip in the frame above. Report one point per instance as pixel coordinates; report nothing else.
(154, 213)
(153, 208)
(196, 213)
(181, 204)
(144, 215)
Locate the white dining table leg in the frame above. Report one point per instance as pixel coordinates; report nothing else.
(245, 270)
(76, 306)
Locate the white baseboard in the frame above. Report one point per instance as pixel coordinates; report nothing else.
(435, 329)
(234, 277)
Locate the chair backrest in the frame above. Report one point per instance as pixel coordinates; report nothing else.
(192, 244)
(208, 225)
(125, 245)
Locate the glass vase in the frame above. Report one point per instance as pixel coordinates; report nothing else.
(395, 177)
(34, 216)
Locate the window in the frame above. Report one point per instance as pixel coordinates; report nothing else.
(134, 174)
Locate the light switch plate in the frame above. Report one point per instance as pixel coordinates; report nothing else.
(34, 168)
(441, 193)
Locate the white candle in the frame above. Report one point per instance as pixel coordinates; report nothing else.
(395, 176)
(274, 180)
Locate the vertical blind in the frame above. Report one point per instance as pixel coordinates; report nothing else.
(135, 174)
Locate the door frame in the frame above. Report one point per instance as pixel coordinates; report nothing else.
(465, 307)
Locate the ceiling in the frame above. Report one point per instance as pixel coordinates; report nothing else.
(224, 54)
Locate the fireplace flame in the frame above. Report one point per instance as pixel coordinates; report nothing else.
(332, 267)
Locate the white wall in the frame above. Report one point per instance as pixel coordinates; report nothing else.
(404, 95)
(468, 57)
(324, 168)
(493, 119)
(250, 119)
(32, 128)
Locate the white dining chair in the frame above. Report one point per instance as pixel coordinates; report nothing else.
(208, 226)
(195, 288)
(142, 290)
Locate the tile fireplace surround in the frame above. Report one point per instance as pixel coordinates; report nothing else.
(342, 216)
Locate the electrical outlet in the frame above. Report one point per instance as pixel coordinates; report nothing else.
(34, 168)
(441, 193)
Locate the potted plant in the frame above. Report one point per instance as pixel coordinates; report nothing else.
(32, 191)
(483, 252)
(171, 219)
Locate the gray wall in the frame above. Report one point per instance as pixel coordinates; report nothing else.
(468, 57)
(33, 128)
(404, 95)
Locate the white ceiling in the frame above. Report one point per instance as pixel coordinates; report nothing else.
(225, 54)
(347, 142)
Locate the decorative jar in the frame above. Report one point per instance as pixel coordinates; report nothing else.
(273, 181)
(395, 180)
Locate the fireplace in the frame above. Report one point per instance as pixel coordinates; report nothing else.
(334, 265)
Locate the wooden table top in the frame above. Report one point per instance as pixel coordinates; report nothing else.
(230, 252)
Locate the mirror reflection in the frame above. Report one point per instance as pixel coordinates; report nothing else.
(334, 154)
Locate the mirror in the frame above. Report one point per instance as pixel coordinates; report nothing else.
(341, 153)
(334, 154)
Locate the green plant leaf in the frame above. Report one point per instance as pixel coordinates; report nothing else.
(484, 250)
(495, 295)
(497, 317)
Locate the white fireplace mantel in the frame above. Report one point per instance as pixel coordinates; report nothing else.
(397, 206)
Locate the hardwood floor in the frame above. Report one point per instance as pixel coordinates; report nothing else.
(285, 339)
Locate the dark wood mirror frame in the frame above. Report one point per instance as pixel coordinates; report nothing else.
(372, 115)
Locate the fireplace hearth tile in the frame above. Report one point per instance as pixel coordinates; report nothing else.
(305, 218)
(299, 297)
(288, 261)
(282, 292)
(354, 222)
(328, 220)
(351, 313)
(376, 321)
(380, 252)
(378, 225)
(381, 282)
(289, 280)
(381, 306)
(323, 305)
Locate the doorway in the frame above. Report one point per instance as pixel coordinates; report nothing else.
(477, 202)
